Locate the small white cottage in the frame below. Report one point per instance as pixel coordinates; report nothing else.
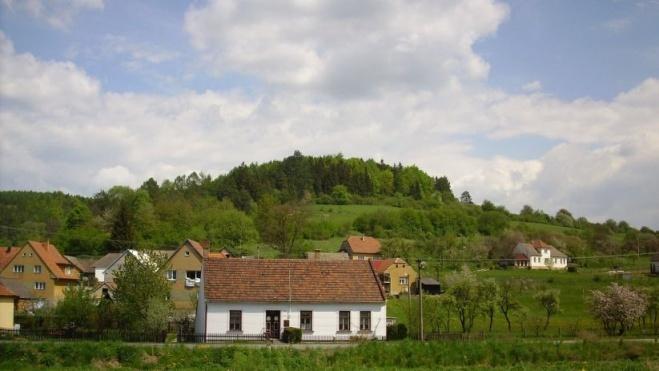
(328, 300)
(538, 255)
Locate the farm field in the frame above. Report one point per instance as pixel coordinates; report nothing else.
(574, 288)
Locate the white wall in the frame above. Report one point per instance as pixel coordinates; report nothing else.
(540, 262)
(325, 320)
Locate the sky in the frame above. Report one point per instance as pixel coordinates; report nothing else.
(554, 104)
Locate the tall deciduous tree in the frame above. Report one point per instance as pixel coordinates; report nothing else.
(463, 286)
(142, 292)
(465, 198)
(507, 302)
(281, 225)
(550, 302)
(489, 299)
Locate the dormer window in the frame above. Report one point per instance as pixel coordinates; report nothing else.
(67, 270)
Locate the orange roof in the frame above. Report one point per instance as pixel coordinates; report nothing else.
(363, 244)
(216, 255)
(52, 258)
(5, 292)
(382, 265)
(297, 280)
(196, 246)
(6, 255)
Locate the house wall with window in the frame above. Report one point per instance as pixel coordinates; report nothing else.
(187, 263)
(34, 274)
(324, 318)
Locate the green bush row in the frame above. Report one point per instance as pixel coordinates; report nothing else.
(402, 354)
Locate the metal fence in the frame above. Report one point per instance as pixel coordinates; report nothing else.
(455, 336)
(218, 338)
(69, 334)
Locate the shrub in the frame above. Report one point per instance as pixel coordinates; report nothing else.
(128, 354)
(396, 332)
(292, 335)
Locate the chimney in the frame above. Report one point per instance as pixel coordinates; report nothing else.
(316, 254)
(362, 237)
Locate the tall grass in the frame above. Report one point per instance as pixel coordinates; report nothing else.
(372, 355)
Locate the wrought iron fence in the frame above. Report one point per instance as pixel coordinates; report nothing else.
(455, 336)
(218, 338)
(72, 334)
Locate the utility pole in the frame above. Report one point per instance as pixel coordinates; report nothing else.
(420, 265)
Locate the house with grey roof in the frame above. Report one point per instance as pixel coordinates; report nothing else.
(538, 255)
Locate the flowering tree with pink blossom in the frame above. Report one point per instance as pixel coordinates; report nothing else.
(617, 307)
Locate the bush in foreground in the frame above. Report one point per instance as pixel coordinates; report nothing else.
(370, 355)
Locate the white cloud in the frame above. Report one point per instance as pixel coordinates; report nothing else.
(617, 25)
(346, 48)
(532, 86)
(137, 53)
(57, 13)
(406, 101)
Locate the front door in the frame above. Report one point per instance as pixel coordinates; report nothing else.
(272, 323)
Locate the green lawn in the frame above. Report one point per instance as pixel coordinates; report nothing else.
(574, 290)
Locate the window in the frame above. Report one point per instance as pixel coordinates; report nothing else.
(19, 268)
(40, 286)
(193, 274)
(403, 281)
(171, 275)
(365, 321)
(344, 321)
(37, 269)
(361, 257)
(67, 270)
(306, 318)
(187, 253)
(235, 320)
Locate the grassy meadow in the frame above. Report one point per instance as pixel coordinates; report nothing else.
(574, 316)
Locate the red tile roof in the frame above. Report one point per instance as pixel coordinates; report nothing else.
(311, 281)
(199, 248)
(382, 265)
(6, 292)
(363, 244)
(6, 255)
(52, 258)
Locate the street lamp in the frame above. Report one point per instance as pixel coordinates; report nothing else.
(420, 265)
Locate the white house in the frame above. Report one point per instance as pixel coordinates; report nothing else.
(105, 267)
(336, 299)
(538, 255)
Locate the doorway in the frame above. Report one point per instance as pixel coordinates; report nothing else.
(272, 324)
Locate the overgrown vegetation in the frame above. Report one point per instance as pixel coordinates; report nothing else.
(591, 355)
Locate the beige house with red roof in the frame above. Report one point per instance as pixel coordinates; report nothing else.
(396, 275)
(184, 274)
(329, 300)
(361, 247)
(40, 268)
(8, 301)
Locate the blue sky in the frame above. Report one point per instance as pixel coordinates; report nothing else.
(550, 103)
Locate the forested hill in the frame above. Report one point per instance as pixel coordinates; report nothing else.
(319, 200)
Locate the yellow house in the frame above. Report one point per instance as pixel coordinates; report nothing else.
(7, 305)
(396, 275)
(184, 274)
(40, 268)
